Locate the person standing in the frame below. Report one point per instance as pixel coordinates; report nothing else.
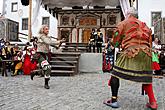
(134, 62)
(155, 56)
(2, 44)
(110, 53)
(42, 54)
(99, 41)
(92, 40)
(7, 55)
(27, 59)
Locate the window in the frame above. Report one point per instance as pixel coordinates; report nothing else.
(111, 19)
(164, 25)
(155, 16)
(25, 24)
(65, 20)
(45, 21)
(14, 7)
(2, 28)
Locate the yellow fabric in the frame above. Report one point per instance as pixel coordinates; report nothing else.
(141, 62)
(18, 66)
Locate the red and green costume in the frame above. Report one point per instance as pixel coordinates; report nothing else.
(134, 62)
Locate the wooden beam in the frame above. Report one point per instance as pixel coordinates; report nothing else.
(29, 21)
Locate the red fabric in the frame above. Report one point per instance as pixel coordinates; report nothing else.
(106, 66)
(149, 90)
(28, 66)
(155, 66)
(104, 62)
(33, 65)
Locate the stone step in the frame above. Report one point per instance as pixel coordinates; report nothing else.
(62, 73)
(62, 66)
(74, 45)
(80, 48)
(72, 51)
(63, 61)
(66, 54)
(64, 58)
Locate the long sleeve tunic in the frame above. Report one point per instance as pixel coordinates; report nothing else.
(44, 42)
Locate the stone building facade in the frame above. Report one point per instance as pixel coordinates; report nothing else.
(76, 24)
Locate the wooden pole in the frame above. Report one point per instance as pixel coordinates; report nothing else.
(29, 21)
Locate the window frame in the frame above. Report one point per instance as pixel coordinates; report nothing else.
(24, 25)
(152, 19)
(12, 7)
(43, 22)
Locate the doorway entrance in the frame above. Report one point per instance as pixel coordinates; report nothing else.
(86, 35)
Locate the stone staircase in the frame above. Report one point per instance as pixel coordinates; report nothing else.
(65, 63)
(75, 47)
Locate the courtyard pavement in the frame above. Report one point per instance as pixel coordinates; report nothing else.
(80, 92)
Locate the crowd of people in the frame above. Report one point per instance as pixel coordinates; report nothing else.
(32, 56)
(96, 41)
(132, 36)
(17, 57)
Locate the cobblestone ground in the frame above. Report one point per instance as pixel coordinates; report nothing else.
(81, 92)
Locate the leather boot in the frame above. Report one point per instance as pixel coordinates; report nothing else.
(32, 74)
(47, 83)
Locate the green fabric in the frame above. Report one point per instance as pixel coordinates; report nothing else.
(117, 44)
(138, 63)
(40, 59)
(47, 72)
(155, 57)
(116, 33)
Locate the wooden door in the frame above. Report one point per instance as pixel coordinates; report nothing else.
(86, 35)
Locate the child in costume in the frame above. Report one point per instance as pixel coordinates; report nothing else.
(155, 56)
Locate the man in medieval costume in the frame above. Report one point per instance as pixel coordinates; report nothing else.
(135, 60)
(99, 41)
(92, 40)
(43, 50)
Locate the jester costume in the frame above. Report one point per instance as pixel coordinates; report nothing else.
(43, 56)
(134, 62)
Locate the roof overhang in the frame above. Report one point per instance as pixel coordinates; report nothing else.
(71, 3)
